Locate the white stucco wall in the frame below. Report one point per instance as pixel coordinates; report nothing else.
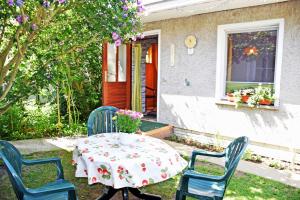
(193, 107)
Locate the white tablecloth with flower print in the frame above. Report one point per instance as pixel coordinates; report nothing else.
(103, 158)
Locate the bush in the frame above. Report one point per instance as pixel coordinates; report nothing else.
(31, 121)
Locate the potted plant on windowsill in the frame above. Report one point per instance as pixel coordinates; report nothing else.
(242, 96)
(262, 96)
(127, 122)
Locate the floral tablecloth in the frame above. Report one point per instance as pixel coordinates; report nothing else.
(103, 158)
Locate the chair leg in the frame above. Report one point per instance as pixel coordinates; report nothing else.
(179, 195)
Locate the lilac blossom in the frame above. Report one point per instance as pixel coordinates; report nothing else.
(125, 15)
(115, 36)
(10, 2)
(139, 2)
(140, 8)
(19, 3)
(21, 19)
(125, 8)
(61, 1)
(46, 4)
(118, 42)
(34, 27)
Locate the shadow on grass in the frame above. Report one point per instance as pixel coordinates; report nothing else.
(242, 186)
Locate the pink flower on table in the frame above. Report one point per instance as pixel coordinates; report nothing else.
(105, 172)
(100, 171)
(145, 182)
(164, 175)
(91, 159)
(94, 180)
(106, 154)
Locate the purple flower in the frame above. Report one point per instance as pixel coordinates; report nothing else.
(19, 3)
(140, 8)
(34, 27)
(125, 8)
(21, 19)
(115, 36)
(10, 2)
(46, 4)
(61, 1)
(139, 2)
(125, 15)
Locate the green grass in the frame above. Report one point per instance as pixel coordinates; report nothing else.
(242, 186)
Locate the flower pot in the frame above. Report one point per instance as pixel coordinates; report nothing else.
(245, 98)
(127, 138)
(265, 102)
(230, 97)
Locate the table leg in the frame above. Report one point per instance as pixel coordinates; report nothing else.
(125, 193)
(108, 193)
(136, 192)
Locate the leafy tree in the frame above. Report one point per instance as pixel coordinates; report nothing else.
(41, 40)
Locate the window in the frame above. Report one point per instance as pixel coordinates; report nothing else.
(249, 55)
(116, 58)
(149, 55)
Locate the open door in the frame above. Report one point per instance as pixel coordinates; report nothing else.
(151, 79)
(116, 75)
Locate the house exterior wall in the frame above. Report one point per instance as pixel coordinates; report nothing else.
(187, 90)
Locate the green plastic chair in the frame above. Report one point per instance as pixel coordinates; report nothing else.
(13, 161)
(101, 120)
(203, 186)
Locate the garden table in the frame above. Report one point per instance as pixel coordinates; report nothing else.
(107, 159)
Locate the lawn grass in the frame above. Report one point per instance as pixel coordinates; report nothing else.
(242, 186)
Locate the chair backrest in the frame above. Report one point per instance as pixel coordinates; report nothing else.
(13, 162)
(101, 120)
(234, 153)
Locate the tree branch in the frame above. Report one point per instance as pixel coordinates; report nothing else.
(5, 108)
(3, 30)
(11, 79)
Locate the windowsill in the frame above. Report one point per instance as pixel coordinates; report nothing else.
(228, 103)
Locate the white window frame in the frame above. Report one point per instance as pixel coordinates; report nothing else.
(224, 30)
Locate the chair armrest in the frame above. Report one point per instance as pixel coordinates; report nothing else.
(57, 161)
(196, 153)
(51, 189)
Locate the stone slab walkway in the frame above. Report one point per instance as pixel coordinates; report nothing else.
(68, 143)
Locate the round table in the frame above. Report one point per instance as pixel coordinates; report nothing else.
(139, 161)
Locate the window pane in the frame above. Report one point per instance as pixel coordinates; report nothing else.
(251, 58)
(111, 61)
(122, 63)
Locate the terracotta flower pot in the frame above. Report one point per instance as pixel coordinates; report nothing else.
(245, 98)
(265, 102)
(230, 97)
